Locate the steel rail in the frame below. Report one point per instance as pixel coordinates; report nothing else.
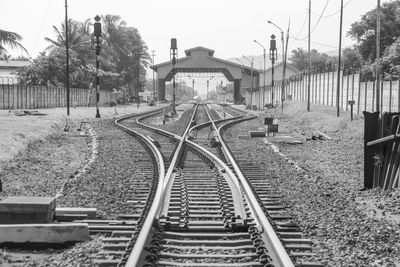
(278, 248)
(145, 230)
(156, 206)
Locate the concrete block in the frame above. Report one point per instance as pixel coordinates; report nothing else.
(65, 211)
(43, 233)
(256, 134)
(19, 210)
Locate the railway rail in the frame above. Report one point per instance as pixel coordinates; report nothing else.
(204, 216)
(203, 209)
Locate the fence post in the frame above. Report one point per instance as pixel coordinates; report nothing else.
(333, 85)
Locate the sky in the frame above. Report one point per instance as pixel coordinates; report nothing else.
(226, 26)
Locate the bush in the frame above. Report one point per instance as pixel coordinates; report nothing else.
(113, 103)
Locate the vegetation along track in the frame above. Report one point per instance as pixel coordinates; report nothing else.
(205, 216)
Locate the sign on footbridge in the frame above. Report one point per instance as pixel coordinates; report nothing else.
(201, 60)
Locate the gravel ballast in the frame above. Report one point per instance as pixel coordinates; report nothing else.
(324, 193)
(106, 184)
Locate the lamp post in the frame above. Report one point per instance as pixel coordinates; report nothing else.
(273, 55)
(262, 91)
(173, 55)
(97, 34)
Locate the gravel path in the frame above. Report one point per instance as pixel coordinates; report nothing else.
(325, 196)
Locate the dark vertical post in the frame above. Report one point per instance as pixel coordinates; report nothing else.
(97, 34)
(370, 133)
(378, 54)
(67, 53)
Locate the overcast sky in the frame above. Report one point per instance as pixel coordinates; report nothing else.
(226, 26)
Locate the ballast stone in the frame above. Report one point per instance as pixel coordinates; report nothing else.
(44, 233)
(21, 210)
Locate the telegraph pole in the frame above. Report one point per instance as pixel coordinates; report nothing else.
(97, 34)
(309, 56)
(339, 60)
(154, 84)
(378, 54)
(67, 52)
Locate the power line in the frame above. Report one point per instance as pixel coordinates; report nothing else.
(41, 25)
(305, 37)
(320, 16)
(331, 46)
(334, 13)
(302, 27)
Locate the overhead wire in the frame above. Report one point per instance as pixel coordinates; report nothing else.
(305, 37)
(41, 25)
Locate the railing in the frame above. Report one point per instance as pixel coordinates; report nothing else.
(323, 90)
(21, 96)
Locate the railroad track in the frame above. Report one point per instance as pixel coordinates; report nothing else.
(201, 210)
(205, 217)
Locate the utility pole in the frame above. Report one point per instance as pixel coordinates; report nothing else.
(154, 84)
(339, 60)
(309, 57)
(67, 53)
(378, 54)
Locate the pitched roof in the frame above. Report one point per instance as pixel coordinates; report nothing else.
(14, 63)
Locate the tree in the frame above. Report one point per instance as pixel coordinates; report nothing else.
(319, 61)
(364, 30)
(78, 38)
(10, 39)
(352, 58)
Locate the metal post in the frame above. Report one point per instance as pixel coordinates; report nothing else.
(67, 53)
(378, 54)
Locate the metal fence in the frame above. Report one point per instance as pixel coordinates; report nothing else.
(20, 96)
(323, 90)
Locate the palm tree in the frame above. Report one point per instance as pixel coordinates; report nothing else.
(10, 39)
(78, 38)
